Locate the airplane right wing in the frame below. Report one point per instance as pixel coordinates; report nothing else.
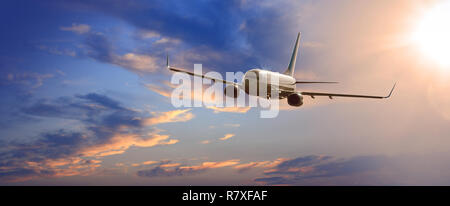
(331, 95)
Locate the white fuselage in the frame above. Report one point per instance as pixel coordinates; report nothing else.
(254, 79)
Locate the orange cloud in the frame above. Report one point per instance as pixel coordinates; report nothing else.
(261, 164)
(209, 165)
(121, 142)
(144, 163)
(170, 116)
(137, 62)
(229, 109)
(159, 90)
(227, 136)
(174, 169)
(205, 142)
(170, 165)
(166, 92)
(59, 168)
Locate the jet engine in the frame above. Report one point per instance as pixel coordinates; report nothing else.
(231, 91)
(295, 100)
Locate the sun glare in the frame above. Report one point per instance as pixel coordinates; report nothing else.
(432, 34)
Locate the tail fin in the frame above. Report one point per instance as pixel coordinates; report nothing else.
(291, 67)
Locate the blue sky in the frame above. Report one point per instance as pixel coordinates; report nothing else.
(83, 87)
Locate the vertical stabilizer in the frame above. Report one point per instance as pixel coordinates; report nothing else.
(291, 68)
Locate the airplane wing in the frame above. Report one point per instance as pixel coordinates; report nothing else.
(313, 82)
(202, 76)
(199, 75)
(331, 95)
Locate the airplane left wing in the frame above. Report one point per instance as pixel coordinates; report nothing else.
(199, 75)
(331, 95)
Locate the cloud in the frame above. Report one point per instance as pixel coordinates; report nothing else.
(217, 41)
(119, 143)
(32, 80)
(160, 17)
(170, 165)
(57, 51)
(232, 125)
(77, 28)
(177, 170)
(170, 116)
(165, 89)
(205, 142)
(107, 128)
(261, 164)
(227, 136)
(146, 34)
(229, 109)
(53, 155)
(166, 40)
(150, 162)
(100, 48)
(139, 63)
(314, 169)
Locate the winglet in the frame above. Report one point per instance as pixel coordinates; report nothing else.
(390, 93)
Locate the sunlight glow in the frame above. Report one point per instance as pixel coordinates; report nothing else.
(432, 34)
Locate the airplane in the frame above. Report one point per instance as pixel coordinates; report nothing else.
(286, 87)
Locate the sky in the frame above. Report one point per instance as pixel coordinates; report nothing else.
(85, 95)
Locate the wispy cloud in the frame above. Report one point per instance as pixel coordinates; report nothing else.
(165, 89)
(32, 80)
(205, 142)
(100, 48)
(232, 125)
(227, 136)
(119, 143)
(312, 169)
(57, 51)
(77, 28)
(261, 164)
(150, 162)
(177, 170)
(170, 116)
(140, 63)
(229, 109)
